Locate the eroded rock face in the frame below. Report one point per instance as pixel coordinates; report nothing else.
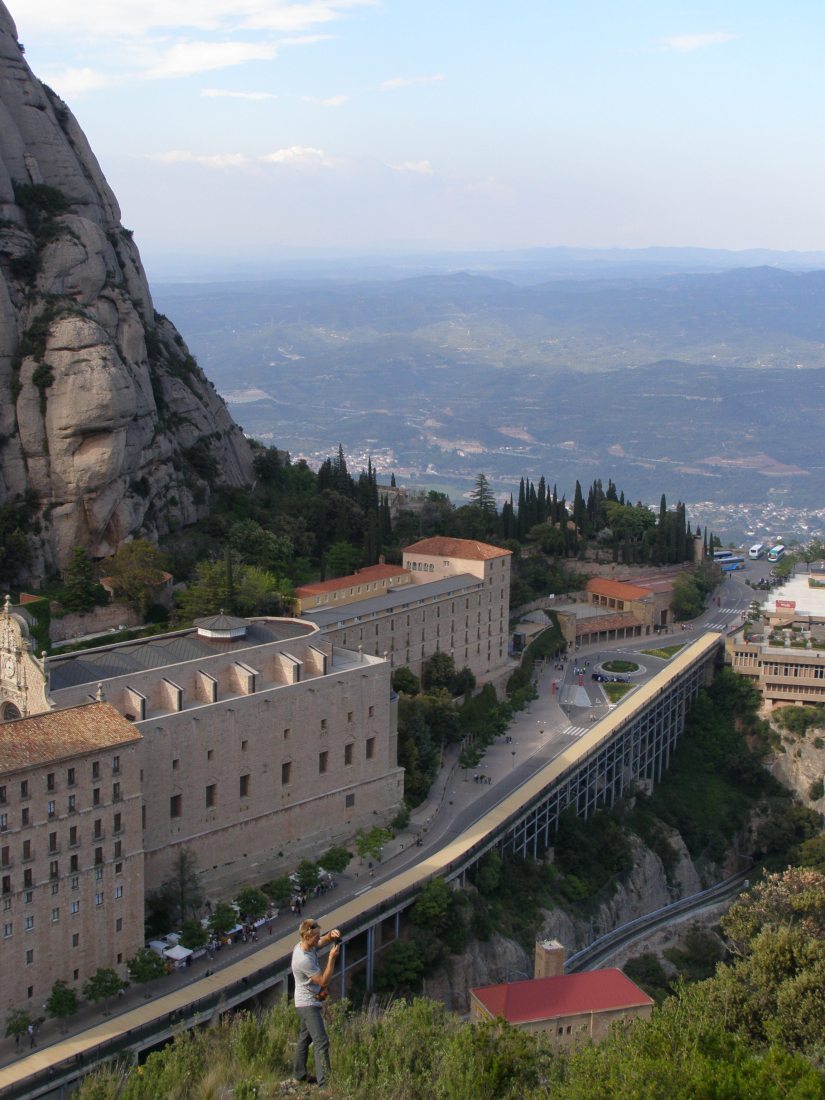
(104, 414)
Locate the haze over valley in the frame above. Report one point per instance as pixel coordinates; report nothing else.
(712, 384)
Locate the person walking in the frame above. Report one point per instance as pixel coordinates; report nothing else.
(311, 991)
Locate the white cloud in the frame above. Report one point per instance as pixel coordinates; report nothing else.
(330, 101)
(298, 156)
(417, 167)
(188, 58)
(141, 18)
(686, 43)
(405, 81)
(76, 83)
(223, 93)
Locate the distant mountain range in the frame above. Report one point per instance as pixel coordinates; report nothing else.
(709, 385)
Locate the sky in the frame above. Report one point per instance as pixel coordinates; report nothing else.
(281, 127)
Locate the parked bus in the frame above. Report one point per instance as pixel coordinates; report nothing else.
(728, 565)
(722, 555)
(756, 551)
(776, 553)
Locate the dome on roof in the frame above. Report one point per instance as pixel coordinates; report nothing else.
(221, 626)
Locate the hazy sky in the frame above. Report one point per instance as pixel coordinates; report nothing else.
(264, 126)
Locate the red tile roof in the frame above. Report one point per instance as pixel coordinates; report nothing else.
(594, 624)
(369, 573)
(28, 742)
(617, 590)
(569, 995)
(439, 546)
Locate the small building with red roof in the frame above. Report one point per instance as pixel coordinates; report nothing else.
(373, 580)
(571, 1008)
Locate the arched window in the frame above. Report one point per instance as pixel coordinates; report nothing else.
(10, 712)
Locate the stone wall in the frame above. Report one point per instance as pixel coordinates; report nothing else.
(78, 624)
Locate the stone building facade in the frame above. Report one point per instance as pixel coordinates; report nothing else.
(71, 852)
(458, 603)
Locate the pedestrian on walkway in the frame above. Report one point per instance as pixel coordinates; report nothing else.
(311, 991)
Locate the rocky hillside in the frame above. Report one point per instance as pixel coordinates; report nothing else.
(108, 427)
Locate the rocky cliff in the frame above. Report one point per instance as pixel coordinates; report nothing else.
(108, 427)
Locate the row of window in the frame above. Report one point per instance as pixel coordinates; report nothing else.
(245, 783)
(28, 895)
(54, 869)
(52, 812)
(51, 780)
(74, 909)
(54, 840)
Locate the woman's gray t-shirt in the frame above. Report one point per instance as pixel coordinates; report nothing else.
(305, 964)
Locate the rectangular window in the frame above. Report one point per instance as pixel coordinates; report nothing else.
(116, 792)
(28, 879)
(286, 772)
(55, 916)
(349, 715)
(30, 956)
(176, 805)
(370, 748)
(70, 777)
(99, 873)
(96, 796)
(75, 907)
(50, 781)
(28, 923)
(98, 855)
(55, 888)
(175, 765)
(73, 864)
(211, 795)
(28, 897)
(24, 816)
(118, 849)
(72, 804)
(6, 884)
(54, 870)
(51, 810)
(371, 712)
(115, 765)
(27, 849)
(210, 753)
(117, 823)
(118, 868)
(349, 800)
(76, 939)
(5, 855)
(323, 725)
(98, 829)
(73, 836)
(287, 732)
(119, 924)
(7, 930)
(244, 786)
(24, 788)
(99, 898)
(348, 754)
(2, 795)
(244, 746)
(95, 769)
(118, 892)
(4, 822)
(323, 762)
(74, 882)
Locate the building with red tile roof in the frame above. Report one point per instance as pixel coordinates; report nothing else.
(373, 580)
(570, 1008)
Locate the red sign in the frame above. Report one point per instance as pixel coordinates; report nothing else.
(786, 603)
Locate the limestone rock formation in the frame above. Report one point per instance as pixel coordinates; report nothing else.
(108, 427)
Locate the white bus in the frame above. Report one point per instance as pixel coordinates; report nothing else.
(756, 551)
(776, 553)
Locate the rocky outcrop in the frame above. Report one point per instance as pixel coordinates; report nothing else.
(107, 425)
(801, 767)
(647, 888)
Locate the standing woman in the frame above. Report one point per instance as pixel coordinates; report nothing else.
(310, 993)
